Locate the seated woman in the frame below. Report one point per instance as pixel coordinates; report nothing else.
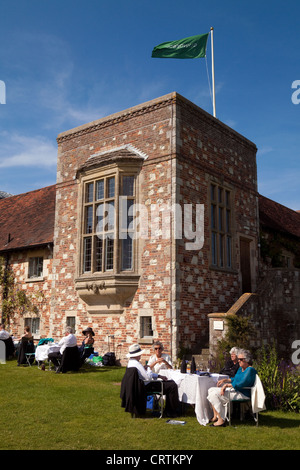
(26, 346)
(245, 377)
(231, 367)
(87, 345)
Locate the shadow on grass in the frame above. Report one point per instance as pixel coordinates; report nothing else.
(269, 420)
(92, 369)
(279, 421)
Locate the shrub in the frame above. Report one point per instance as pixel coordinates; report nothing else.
(280, 379)
(238, 334)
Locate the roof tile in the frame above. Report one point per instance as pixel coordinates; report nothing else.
(27, 219)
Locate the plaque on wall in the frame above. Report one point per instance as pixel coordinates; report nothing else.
(218, 325)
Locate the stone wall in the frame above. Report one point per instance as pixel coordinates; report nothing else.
(274, 311)
(37, 289)
(210, 152)
(184, 150)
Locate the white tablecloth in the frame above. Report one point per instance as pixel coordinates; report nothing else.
(42, 351)
(193, 389)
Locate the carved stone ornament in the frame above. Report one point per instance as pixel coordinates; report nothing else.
(107, 295)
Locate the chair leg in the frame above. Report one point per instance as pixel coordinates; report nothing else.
(229, 412)
(161, 406)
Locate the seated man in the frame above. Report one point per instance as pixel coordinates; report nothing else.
(169, 386)
(3, 333)
(67, 341)
(7, 339)
(159, 360)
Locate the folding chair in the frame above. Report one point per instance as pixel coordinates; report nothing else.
(134, 395)
(30, 353)
(58, 359)
(70, 360)
(158, 398)
(255, 403)
(30, 357)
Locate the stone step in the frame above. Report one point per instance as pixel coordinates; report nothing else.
(201, 359)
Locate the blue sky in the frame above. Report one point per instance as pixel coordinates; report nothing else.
(65, 63)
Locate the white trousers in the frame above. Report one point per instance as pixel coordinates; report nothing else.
(220, 402)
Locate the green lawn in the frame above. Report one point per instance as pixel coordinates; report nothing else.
(41, 410)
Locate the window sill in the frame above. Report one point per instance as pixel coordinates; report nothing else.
(148, 340)
(34, 279)
(223, 270)
(106, 293)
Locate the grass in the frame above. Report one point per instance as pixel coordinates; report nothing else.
(42, 410)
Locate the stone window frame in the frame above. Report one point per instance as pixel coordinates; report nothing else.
(221, 230)
(35, 277)
(33, 322)
(108, 291)
(142, 316)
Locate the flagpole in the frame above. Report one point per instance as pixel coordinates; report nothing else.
(213, 70)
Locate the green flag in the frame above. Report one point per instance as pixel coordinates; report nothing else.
(193, 47)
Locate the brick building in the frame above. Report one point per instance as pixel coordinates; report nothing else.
(26, 246)
(156, 226)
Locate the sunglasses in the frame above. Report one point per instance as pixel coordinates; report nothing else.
(157, 348)
(241, 359)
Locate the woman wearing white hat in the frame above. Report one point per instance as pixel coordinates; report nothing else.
(170, 387)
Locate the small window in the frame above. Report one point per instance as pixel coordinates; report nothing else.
(71, 322)
(146, 327)
(35, 267)
(34, 325)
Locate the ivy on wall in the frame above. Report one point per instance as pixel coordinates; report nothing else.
(14, 300)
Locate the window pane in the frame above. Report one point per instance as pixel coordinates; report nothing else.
(89, 195)
(227, 201)
(100, 190)
(228, 252)
(99, 253)
(35, 326)
(87, 254)
(127, 254)
(99, 218)
(35, 267)
(227, 220)
(71, 321)
(111, 187)
(128, 186)
(212, 192)
(214, 248)
(109, 255)
(88, 219)
(110, 207)
(220, 218)
(220, 195)
(221, 251)
(213, 216)
(130, 217)
(146, 326)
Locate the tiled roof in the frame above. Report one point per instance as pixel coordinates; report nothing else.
(278, 217)
(27, 220)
